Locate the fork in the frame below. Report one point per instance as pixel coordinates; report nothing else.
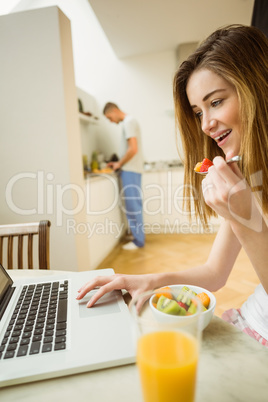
(236, 158)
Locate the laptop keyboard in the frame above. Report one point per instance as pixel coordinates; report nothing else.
(39, 321)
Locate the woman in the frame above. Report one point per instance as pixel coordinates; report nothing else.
(220, 95)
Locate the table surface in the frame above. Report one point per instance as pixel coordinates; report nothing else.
(232, 368)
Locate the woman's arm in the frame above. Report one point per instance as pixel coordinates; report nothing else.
(226, 191)
(212, 275)
(255, 243)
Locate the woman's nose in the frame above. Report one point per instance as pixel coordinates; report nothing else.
(208, 124)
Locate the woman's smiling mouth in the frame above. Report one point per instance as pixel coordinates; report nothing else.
(222, 136)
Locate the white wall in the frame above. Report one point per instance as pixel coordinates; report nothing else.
(39, 130)
(88, 130)
(141, 86)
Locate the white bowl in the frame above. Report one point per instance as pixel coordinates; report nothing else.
(206, 315)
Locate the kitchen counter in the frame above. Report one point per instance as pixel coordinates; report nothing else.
(232, 368)
(148, 168)
(89, 176)
(161, 166)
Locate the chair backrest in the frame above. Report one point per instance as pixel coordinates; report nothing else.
(22, 231)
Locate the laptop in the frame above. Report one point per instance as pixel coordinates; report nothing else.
(45, 332)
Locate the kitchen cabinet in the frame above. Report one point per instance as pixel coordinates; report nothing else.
(104, 224)
(163, 204)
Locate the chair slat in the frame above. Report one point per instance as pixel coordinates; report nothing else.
(20, 252)
(30, 251)
(1, 250)
(10, 253)
(44, 245)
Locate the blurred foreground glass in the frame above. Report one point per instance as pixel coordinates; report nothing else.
(167, 350)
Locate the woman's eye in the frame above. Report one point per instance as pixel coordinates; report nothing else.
(216, 102)
(198, 114)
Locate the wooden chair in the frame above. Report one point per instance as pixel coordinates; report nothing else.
(20, 231)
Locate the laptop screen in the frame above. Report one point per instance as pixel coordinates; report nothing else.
(5, 282)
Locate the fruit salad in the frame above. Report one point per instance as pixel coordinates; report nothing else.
(181, 304)
(203, 166)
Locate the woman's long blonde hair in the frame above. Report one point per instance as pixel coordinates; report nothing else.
(239, 54)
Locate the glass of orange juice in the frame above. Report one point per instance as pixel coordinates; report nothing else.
(168, 347)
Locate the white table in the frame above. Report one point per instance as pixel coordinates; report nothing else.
(233, 368)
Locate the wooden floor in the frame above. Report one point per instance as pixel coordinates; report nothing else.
(173, 252)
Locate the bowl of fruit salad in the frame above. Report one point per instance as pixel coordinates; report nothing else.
(176, 302)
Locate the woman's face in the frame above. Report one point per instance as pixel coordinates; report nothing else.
(215, 103)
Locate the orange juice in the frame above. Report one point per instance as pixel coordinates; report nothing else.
(167, 363)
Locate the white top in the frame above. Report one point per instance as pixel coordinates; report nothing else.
(131, 128)
(255, 311)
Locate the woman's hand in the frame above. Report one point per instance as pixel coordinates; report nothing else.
(134, 284)
(225, 190)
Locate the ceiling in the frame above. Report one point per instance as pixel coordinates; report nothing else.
(136, 27)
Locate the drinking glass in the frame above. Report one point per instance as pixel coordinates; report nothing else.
(167, 350)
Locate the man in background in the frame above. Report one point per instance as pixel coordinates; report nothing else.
(131, 168)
